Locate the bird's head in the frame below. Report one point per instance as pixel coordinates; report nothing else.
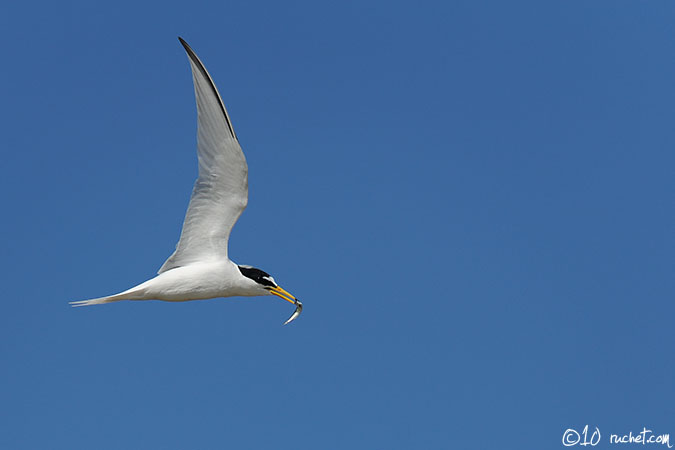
(268, 286)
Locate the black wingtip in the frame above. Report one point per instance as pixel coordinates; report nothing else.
(184, 44)
(200, 66)
(191, 53)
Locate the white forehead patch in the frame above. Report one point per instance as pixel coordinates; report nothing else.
(271, 280)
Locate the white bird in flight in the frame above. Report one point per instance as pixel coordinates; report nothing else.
(200, 268)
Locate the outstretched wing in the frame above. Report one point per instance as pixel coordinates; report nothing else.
(220, 193)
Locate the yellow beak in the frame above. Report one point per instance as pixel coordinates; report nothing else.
(279, 292)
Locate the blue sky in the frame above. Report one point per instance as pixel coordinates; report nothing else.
(473, 199)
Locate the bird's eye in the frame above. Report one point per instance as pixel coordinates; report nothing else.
(269, 280)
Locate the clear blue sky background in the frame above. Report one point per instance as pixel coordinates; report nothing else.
(473, 199)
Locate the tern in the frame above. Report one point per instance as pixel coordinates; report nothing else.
(200, 268)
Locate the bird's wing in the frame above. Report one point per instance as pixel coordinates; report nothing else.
(220, 193)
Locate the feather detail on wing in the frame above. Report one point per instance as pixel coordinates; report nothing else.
(220, 193)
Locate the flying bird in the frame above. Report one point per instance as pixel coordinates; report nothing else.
(200, 268)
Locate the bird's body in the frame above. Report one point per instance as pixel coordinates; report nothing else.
(200, 268)
(198, 281)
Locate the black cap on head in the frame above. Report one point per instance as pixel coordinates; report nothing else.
(257, 275)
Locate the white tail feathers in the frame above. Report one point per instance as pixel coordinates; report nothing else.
(135, 293)
(126, 295)
(96, 301)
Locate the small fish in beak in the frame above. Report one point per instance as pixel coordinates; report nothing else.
(296, 313)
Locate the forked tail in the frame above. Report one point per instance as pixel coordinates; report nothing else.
(101, 300)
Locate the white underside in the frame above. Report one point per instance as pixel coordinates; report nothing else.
(196, 281)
